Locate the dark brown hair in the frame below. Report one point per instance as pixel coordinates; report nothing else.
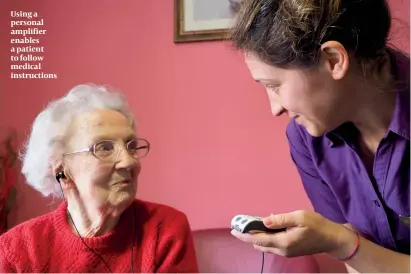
(289, 33)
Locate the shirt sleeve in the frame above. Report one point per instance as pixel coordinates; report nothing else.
(176, 252)
(320, 194)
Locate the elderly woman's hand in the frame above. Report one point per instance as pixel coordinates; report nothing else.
(306, 233)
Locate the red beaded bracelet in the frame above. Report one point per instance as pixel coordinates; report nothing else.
(357, 245)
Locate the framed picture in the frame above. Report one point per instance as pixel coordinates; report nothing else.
(203, 20)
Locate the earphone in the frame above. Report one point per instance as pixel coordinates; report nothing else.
(60, 175)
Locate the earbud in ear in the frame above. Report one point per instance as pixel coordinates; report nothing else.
(60, 176)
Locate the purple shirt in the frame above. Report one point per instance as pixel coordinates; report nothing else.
(340, 187)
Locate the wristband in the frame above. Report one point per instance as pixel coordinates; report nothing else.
(357, 245)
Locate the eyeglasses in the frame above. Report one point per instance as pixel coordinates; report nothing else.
(109, 149)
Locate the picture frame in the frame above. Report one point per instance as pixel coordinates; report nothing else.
(203, 20)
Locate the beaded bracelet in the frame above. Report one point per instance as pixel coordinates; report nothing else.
(357, 245)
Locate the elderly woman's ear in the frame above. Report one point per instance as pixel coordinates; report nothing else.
(63, 177)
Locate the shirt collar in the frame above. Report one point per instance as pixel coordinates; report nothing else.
(400, 123)
(345, 132)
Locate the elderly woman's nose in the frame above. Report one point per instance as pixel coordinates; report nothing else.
(125, 160)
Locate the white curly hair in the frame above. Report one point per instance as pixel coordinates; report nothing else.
(45, 144)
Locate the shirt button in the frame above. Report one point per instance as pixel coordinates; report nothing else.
(377, 203)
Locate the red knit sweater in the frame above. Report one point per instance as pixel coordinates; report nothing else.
(163, 243)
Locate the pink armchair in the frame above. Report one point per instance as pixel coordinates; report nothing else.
(218, 251)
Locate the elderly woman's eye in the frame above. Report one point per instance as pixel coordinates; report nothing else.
(104, 146)
(138, 148)
(132, 145)
(104, 149)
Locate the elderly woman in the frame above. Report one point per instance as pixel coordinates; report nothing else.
(84, 147)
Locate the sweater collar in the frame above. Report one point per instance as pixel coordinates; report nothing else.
(119, 238)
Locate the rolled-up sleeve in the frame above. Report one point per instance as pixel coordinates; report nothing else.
(319, 193)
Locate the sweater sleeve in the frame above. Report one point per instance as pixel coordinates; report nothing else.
(175, 249)
(5, 265)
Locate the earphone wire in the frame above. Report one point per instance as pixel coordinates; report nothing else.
(134, 237)
(95, 253)
(262, 264)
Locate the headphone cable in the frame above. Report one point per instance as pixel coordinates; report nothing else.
(134, 237)
(95, 253)
(89, 248)
(262, 264)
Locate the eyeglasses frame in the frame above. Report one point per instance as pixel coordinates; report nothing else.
(91, 148)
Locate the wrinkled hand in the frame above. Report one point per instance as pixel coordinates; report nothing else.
(306, 233)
